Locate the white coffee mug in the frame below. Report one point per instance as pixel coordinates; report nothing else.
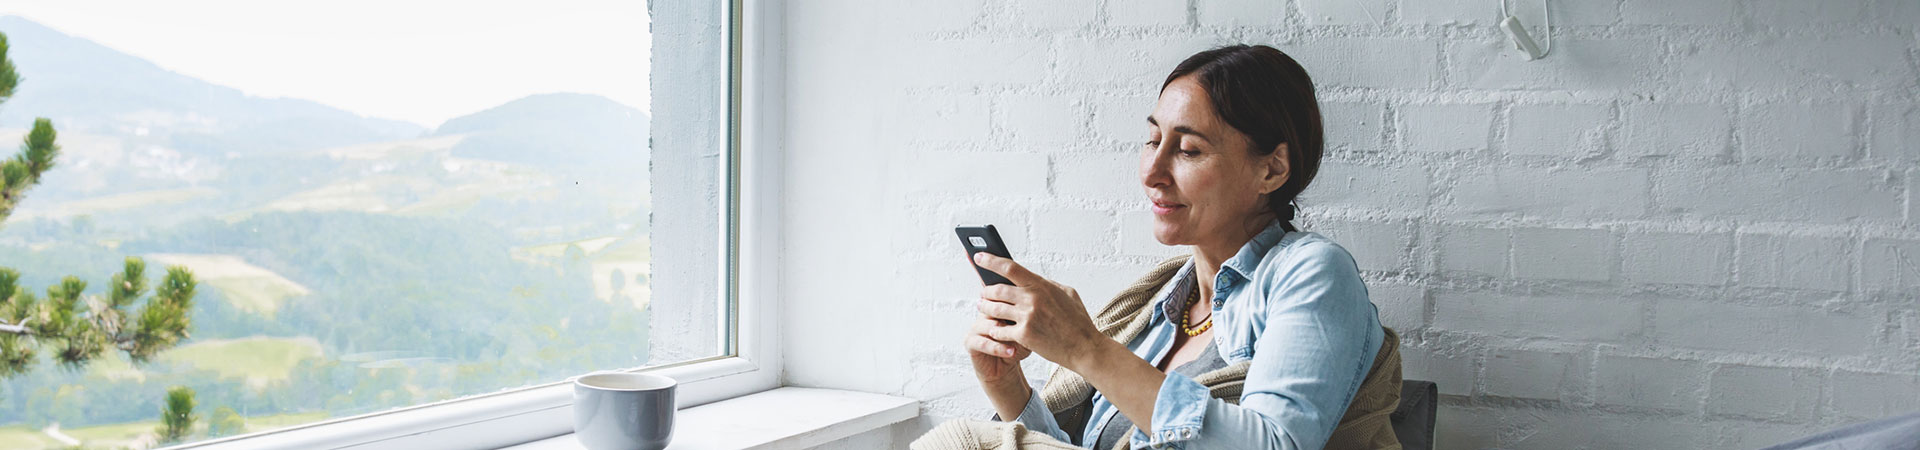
(623, 411)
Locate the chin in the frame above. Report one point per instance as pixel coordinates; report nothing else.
(1169, 234)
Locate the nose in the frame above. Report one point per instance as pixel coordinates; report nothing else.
(1154, 170)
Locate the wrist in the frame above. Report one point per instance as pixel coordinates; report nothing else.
(1091, 355)
(1013, 381)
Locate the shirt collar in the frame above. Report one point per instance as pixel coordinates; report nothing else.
(1183, 283)
(1250, 255)
(1240, 265)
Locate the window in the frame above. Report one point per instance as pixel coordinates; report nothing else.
(385, 205)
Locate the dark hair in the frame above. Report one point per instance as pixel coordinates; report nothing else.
(1264, 94)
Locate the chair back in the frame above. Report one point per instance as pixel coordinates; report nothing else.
(1413, 420)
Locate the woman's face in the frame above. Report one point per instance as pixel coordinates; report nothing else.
(1203, 180)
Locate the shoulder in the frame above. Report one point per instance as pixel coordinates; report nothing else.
(1308, 253)
(1309, 268)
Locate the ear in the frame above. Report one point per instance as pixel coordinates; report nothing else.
(1276, 170)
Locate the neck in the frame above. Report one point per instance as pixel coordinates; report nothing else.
(1208, 257)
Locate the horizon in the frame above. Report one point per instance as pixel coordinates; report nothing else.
(280, 52)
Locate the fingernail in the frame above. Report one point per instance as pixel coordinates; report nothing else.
(1008, 352)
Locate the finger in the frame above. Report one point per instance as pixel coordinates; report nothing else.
(983, 345)
(1014, 272)
(998, 310)
(986, 324)
(981, 326)
(1003, 293)
(1005, 333)
(980, 330)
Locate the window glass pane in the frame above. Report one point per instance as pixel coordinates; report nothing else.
(383, 204)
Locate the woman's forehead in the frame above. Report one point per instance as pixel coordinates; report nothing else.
(1184, 104)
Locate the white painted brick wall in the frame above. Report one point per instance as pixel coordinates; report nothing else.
(1797, 131)
(1765, 330)
(1481, 251)
(1449, 12)
(1531, 374)
(1344, 12)
(1695, 225)
(1562, 254)
(1563, 130)
(1668, 12)
(1677, 258)
(1648, 383)
(1499, 190)
(1146, 13)
(1896, 133)
(1776, 393)
(1650, 130)
(1570, 318)
(1445, 127)
(1865, 395)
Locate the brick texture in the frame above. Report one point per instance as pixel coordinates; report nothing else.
(1695, 224)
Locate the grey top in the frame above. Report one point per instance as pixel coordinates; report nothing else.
(1117, 429)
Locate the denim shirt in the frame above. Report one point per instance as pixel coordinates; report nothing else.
(1294, 304)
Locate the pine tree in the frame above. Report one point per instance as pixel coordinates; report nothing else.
(176, 416)
(80, 326)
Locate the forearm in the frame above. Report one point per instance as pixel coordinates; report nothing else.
(1015, 402)
(1127, 381)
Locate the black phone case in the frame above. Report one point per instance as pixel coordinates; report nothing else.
(994, 245)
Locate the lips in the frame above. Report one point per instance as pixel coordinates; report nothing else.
(1160, 207)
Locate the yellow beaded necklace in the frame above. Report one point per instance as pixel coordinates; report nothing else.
(1193, 296)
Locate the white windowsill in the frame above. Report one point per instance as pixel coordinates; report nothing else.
(788, 417)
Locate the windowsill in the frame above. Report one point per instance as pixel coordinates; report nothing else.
(788, 417)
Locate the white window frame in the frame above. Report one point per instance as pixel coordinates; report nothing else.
(536, 412)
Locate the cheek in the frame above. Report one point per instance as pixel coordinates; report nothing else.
(1220, 191)
(1203, 184)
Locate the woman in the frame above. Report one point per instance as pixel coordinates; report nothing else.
(1262, 338)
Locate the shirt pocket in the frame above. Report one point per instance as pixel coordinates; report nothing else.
(1236, 338)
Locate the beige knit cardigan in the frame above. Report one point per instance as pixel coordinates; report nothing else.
(1365, 425)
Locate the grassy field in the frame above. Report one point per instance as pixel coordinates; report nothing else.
(631, 258)
(248, 287)
(368, 194)
(392, 149)
(258, 360)
(115, 366)
(24, 437)
(483, 180)
(264, 423)
(116, 202)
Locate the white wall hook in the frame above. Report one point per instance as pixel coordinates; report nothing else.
(1523, 40)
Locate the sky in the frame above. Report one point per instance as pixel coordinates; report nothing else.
(421, 61)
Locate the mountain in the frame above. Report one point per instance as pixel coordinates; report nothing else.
(147, 147)
(555, 130)
(89, 88)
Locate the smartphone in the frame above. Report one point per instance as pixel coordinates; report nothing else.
(983, 239)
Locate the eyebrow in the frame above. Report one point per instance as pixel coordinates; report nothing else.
(1183, 129)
